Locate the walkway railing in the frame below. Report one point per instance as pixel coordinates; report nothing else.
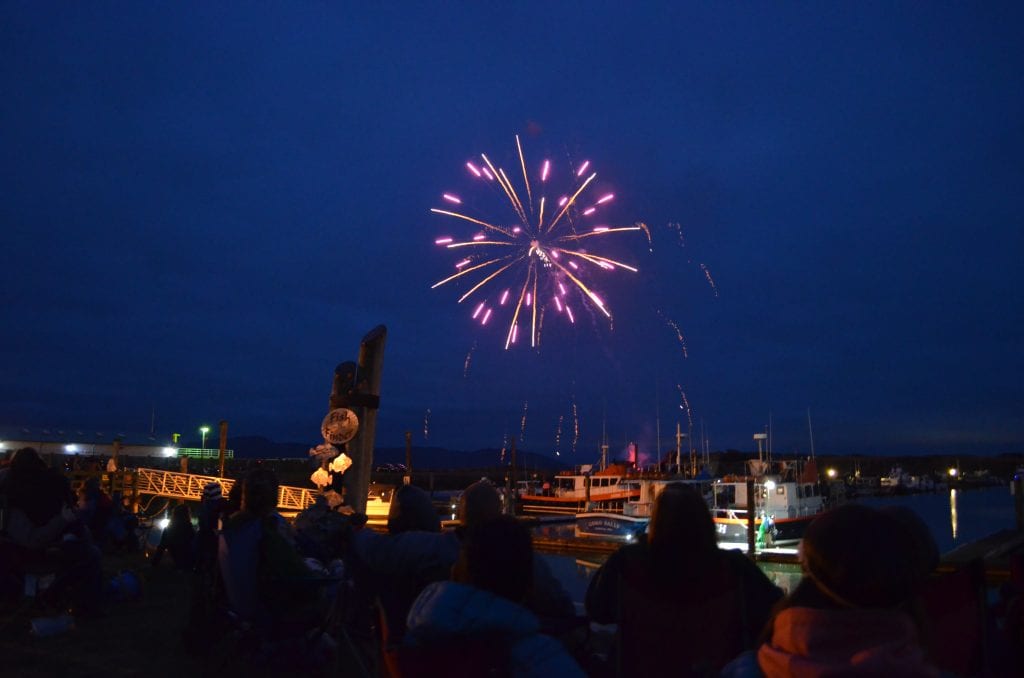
(190, 486)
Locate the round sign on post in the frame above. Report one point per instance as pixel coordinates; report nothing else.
(340, 426)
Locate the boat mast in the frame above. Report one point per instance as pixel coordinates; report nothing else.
(679, 450)
(810, 430)
(604, 443)
(657, 423)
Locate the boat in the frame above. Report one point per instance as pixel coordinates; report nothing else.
(785, 502)
(582, 490)
(636, 513)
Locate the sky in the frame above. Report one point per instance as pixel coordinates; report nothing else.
(206, 206)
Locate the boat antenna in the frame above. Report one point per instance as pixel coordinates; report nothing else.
(810, 430)
(604, 437)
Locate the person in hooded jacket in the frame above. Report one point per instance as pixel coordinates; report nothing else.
(850, 615)
(477, 623)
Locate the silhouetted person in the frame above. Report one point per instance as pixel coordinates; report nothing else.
(179, 538)
(680, 601)
(477, 624)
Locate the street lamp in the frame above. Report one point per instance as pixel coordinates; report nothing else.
(204, 430)
(831, 473)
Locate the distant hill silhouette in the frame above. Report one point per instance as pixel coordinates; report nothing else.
(423, 458)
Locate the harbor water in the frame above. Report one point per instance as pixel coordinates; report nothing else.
(954, 517)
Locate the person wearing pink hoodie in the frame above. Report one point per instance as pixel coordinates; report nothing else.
(850, 614)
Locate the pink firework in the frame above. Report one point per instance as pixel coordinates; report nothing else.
(542, 247)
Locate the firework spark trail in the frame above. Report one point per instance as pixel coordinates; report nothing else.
(504, 446)
(558, 436)
(522, 422)
(533, 247)
(679, 333)
(426, 425)
(678, 228)
(643, 227)
(575, 425)
(711, 281)
(469, 359)
(685, 405)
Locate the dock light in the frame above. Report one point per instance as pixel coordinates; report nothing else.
(163, 523)
(204, 430)
(71, 448)
(953, 473)
(169, 451)
(831, 473)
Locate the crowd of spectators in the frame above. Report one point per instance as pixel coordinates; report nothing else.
(325, 594)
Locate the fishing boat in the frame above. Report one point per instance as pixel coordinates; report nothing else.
(584, 489)
(785, 501)
(636, 513)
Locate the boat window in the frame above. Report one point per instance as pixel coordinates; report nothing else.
(780, 490)
(613, 481)
(799, 492)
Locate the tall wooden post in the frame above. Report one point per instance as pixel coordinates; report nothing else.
(223, 445)
(358, 389)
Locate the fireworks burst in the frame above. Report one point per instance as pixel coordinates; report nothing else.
(542, 254)
(426, 425)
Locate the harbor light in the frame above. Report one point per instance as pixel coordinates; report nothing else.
(169, 451)
(71, 448)
(163, 523)
(769, 485)
(831, 473)
(204, 430)
(953, 473)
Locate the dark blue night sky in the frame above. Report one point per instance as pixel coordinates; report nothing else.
(205, 208)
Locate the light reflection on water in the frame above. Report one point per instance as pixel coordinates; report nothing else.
(952, 512)
(957, 516)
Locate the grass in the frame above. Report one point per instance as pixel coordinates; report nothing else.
(128, 638)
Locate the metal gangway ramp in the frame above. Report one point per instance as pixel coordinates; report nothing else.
(189, 486)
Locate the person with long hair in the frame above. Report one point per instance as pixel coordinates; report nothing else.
(678, 600)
